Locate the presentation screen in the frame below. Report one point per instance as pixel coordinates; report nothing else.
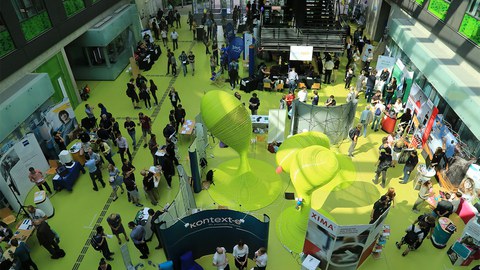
(301, 53)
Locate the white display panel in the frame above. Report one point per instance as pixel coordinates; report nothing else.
(301, 53)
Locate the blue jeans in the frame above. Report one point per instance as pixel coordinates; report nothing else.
(184, 67)
(364, 126)
(132, 135)
(376, 121)
(407, 170)
(292, 85)
(369, 93)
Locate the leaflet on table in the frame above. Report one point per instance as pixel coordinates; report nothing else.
(25, 224)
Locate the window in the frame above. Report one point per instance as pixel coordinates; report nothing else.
(28, 8)
(6, 43)
(474, 8)
(2, 24)
(72, 7)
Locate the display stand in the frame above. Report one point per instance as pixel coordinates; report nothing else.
(424, 174)
(381, 241)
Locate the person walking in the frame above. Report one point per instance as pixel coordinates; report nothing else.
(365, 119)
(184, 62)
(153, 90)
(114, 220)
(180, 115)
(336, 66)
(168, 170)
(348, 77)
(423, 194)
(174, 36)
(99, 242)
(149, 186)
(379, 207)
(164, 33)
(371, 79)
(413, 238)
(384, 162)
(129, 125)
(146, 124)
(254, 103)
(36, 176)
(132, 93)
(174, 97)
(145, 96)
(138, 238)
(94, 172)
(240, 254)
(173, 62)
(122, 145)
(48, 239)
(191, 61)
(115, 180)
(153, 147)
(233, 73)
(22, 255)
(354, 134)
(377, 115)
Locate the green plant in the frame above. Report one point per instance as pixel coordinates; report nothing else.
(34, 26)
(6, 43)
(470, 27)
(73, 6)
(439, 8)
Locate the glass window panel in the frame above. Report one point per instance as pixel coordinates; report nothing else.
(28, 8)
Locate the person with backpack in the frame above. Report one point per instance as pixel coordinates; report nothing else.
(379, 207)
(99, 243)
(184, 62)
(413, 238)
(354, 133)
(377, 114)
(384, 162)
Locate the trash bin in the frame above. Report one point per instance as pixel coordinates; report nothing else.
(388, 123)
(43, 203)
(442, 232)
(200, 32)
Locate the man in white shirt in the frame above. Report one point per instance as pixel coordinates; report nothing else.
(261, 258)
(220, 259)
(174, 36)
(123, 147)
(292, 79)
(328, 70)
(367, 58)
(302, 95)
(36, 213)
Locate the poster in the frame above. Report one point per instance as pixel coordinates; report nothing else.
(14, 163)
(340, 247)
(248, 39)
(61, 118)
(385, 62)
(424, 109)
(404, 79)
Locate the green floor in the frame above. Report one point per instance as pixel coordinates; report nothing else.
(77, 212)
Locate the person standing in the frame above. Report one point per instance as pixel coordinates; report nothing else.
(302, 95)
(178, 19)
(355, 133)
(377, 115)
(423, 194)
(184, 62)
(155, 223)
(36, 214)
(348, 77)
(174, 97)
(413, 238)
(366, 59)
(191, 61)
(145, 96)
(94, 172)
(153, 91)
(315, 98)
(22, 254)
(132, 93)
(371, 79)
(331, 101)
(173, 62)
(174, 36)
(48, 239)
(240, 254)
(329, 65)
(379, 207)
(138, 238)
(100, 240)
(220, 259)
(129, 125)
(149, 186)
(164, 33)
(146, 124)
(384, 162)
(115, 180)
(292, 79)
(336, 66)
(261, 259)
(365, 119)
(179, 116)
(254, 104)
(168, 169)
(106, 150)
(153, 147)
(194, 29)
(114, 220)
(233, 72)
(123, 146)
(129, 181)
(103, 265)
(36, 176)
(206, 42)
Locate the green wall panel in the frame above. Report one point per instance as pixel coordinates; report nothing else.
(6, 43)
(56, 68)
(438, 8)
(73, 6)
(36, 25)
(470, 27)
(420, 2)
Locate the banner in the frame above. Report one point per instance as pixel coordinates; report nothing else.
(229, 32)
(61, 118)
(424, 109)
(211, 229)
(385, 62)
(235, 48)
(340, 247)
(248, 39)
(404, 78)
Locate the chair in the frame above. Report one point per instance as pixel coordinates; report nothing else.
(280, 87)
(168, 265)
(267, 85)
(53, 167)
(315, 86)
(301, 85)
(187, 262)
(7, 216)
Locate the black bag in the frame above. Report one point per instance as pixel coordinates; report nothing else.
(411, 238)
(94, 244)
(351, 133)
(62, 171)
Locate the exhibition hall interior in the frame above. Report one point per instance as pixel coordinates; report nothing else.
(215, 134)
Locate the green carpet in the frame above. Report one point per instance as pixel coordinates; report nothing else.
(247, 192)
(78, 211)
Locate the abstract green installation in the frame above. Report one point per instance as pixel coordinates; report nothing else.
(242, 184)
(439, 8)
(470, 27)
(311, 163)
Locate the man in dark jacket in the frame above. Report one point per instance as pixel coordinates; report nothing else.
(22, 255)
(47, 238)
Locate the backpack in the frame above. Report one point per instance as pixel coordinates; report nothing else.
(94, 244)
(412, 237)
(351, 133)
(378, 112)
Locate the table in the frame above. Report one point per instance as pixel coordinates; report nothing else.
(188, 127)
(78, 153)
(24, 231)
(248, 85)
(424, 174)
(67, 181)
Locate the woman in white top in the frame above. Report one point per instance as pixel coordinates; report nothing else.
(261, 259)
(423, 194)
(240, 253)
(398, 106)
(220, 259)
